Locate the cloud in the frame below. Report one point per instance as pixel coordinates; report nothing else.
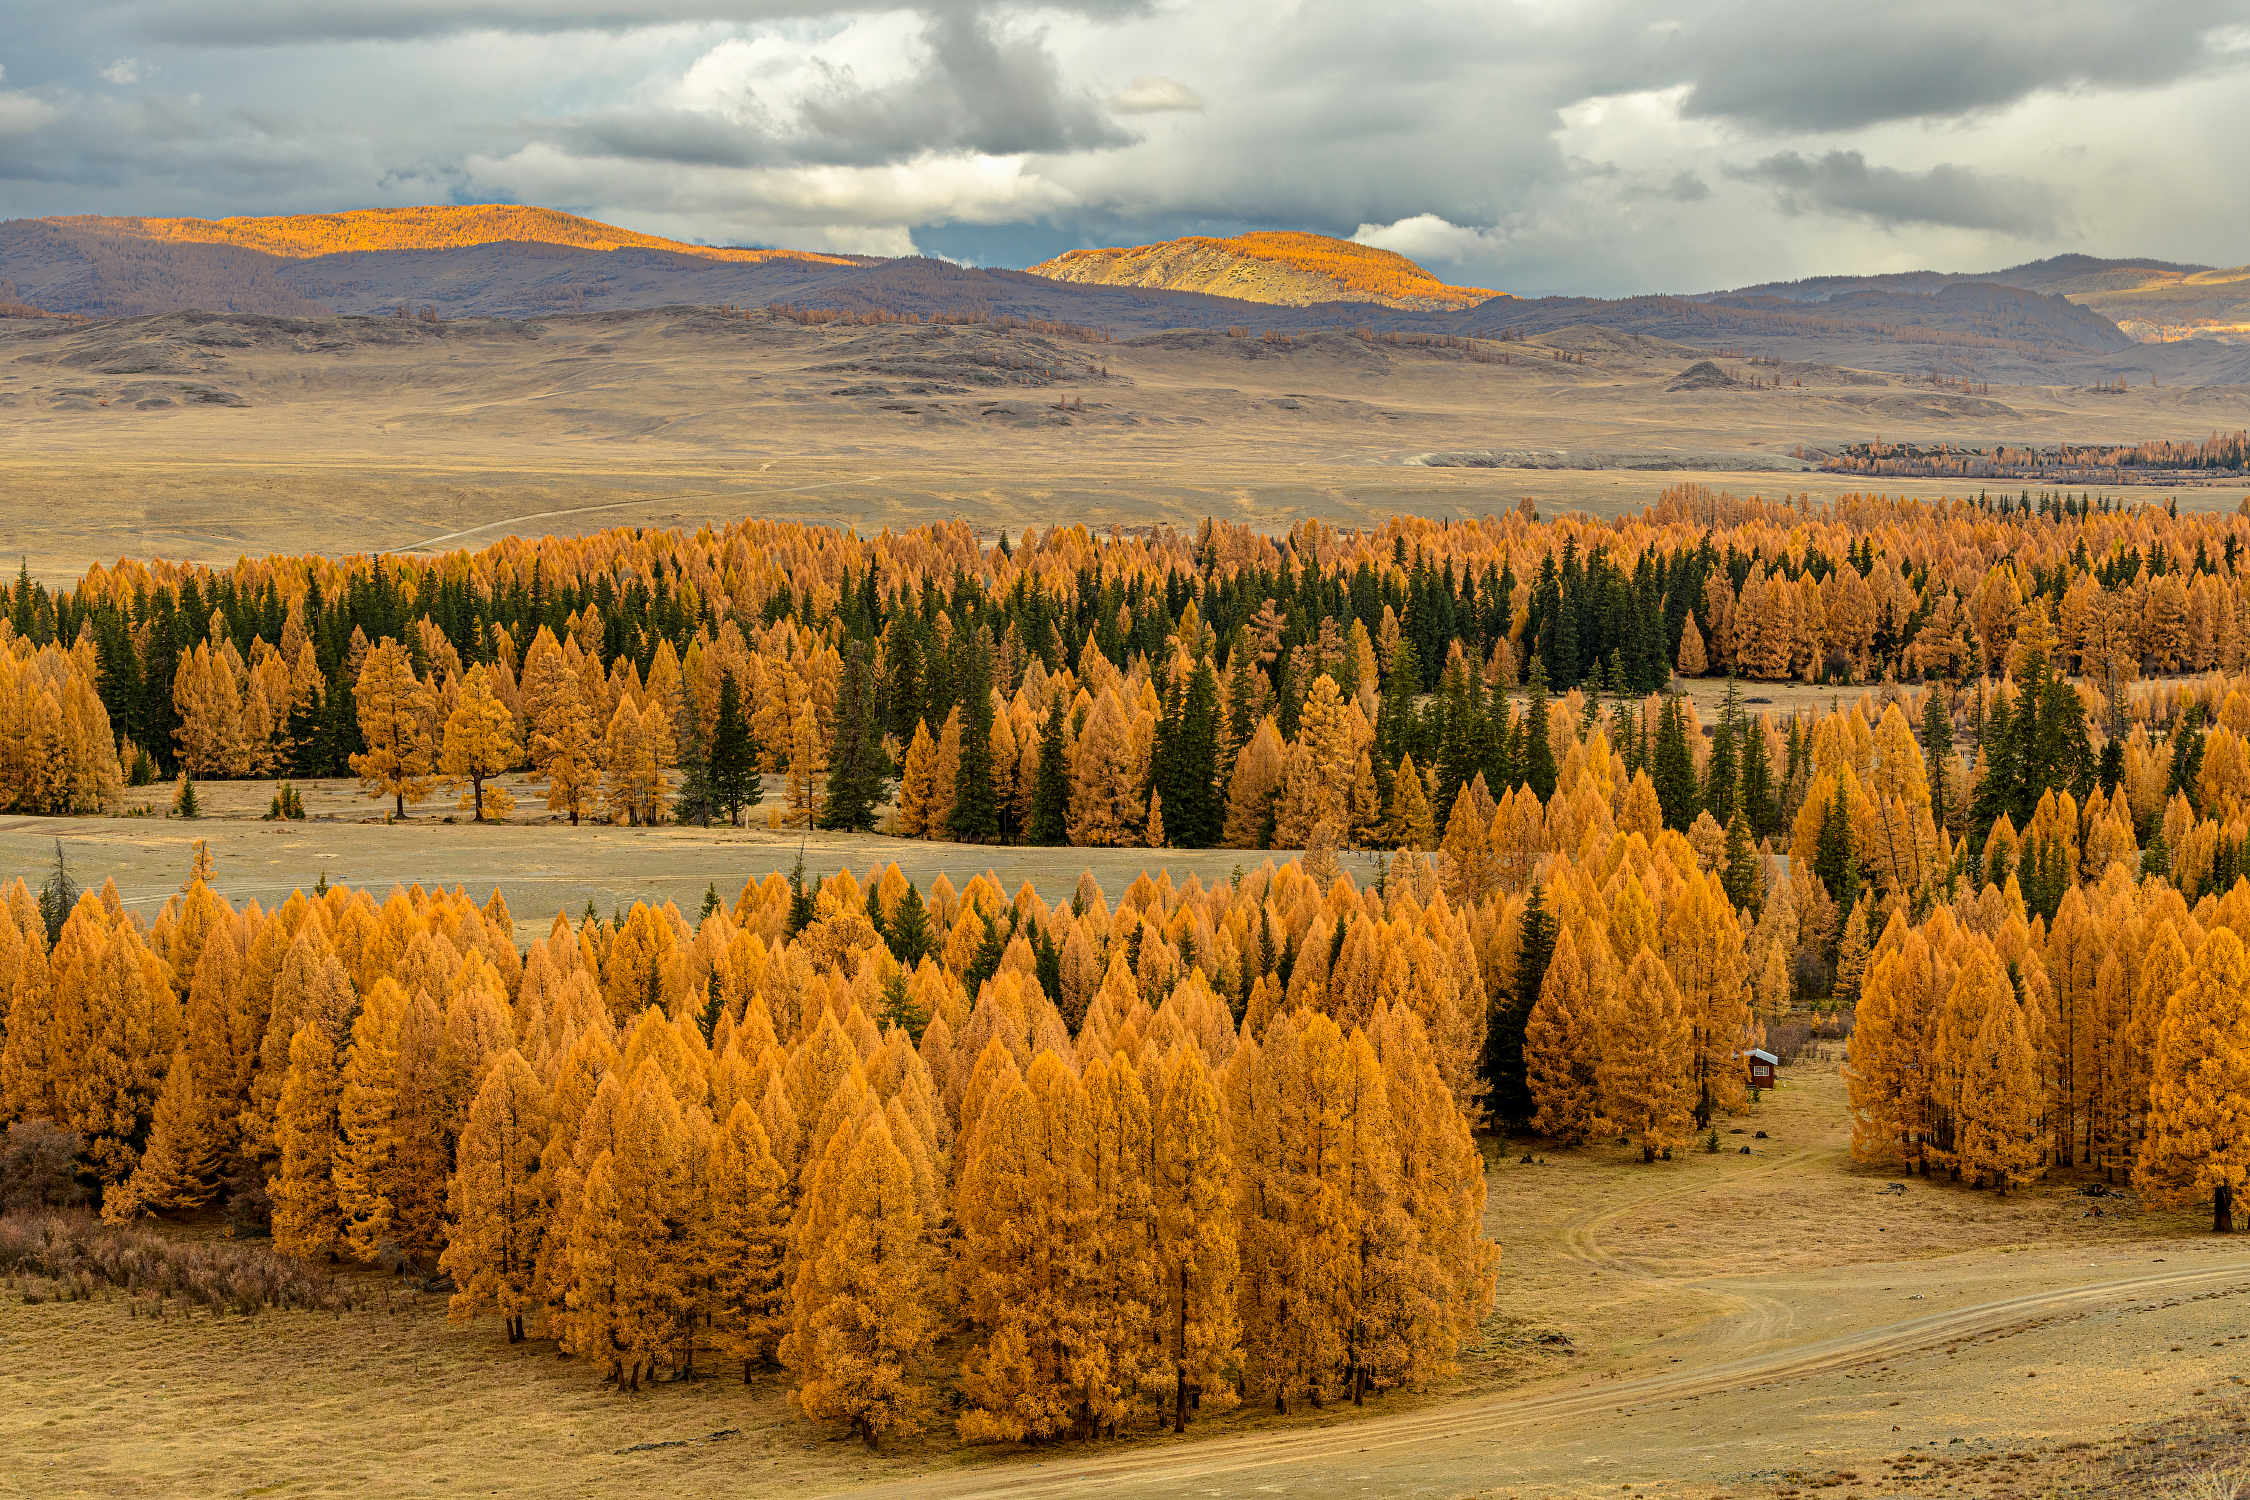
(1153, 93)
(267, 23)
(129, 70)
(1596, 146)
(1426, 237)
(971, 90)
(1841, 182)
(1787, 65)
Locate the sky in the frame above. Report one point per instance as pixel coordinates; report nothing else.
(1533, 146)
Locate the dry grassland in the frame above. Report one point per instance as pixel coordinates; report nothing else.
(1621, 1285)
(400, 437)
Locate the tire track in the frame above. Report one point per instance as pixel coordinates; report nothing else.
(1291, 1461)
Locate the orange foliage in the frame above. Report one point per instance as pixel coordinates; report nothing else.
(301, 236)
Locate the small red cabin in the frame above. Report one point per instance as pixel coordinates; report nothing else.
(1762, 1064)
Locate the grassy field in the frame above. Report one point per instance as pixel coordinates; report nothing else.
(401, 440)
(1615, 1276)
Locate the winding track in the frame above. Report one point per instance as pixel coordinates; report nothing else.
(1446, 1450)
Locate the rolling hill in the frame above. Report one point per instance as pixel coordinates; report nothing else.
(440, 227)
(2152, 301)
(525, 263)
(1286, 269)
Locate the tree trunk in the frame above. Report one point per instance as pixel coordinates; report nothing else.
(2222, 1209)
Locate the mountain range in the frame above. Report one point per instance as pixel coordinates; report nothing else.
(2070, 319)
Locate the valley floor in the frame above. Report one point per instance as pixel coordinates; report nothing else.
(1755, 1325)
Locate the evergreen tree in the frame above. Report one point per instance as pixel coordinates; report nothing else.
(1835, 861)
(975, 818)
(1742, 878)
(1538, 757)
(1674, 772)
(1508, 1087)
(1193, 813)
(858, 768)
(1937, 747)
(908, 931)
(733, 757)
(1050, 795)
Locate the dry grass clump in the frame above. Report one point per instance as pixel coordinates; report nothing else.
(71, 1256)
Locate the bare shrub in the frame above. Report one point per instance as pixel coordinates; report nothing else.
(39, 1166)
(70, 1255)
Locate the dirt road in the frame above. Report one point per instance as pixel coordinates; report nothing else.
(1465, 1447)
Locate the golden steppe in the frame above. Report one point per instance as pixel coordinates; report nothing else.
(207, 438)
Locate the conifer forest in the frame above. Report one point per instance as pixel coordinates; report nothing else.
(1007, 1167)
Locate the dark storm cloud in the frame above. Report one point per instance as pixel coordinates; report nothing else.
(256, 23)
(1841, 182)
(1790, 65)
(977, 92)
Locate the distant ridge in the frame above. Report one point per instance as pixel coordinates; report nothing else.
(1282, 268)
(443, 227)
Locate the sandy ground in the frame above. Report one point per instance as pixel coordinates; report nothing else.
(674, 418)
(1714, 1325)
(540, 865)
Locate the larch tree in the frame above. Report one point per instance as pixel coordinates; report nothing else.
(1121, 1283)
(874, 1286)
(367, 1120)
(2198, 1131)
(1703, 949)
(1647, 1068)
(2000, 1101)
(1562, 1048)
(306, 1222)
(1105, 806)
(395, 709)
(480, 743)
(565, 750)
(749, 1237)
(180, 1168)
(807, 772)
(1025, 1207)
(1194, 1203)
(1251, 793)
(114, 1028)
(917, 785)
(499, 1200)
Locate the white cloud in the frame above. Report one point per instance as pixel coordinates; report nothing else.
(1426, 237)
(129, 70)
(1153, 93)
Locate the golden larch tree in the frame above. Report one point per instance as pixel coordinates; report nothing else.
(395, 709)
(305, 1218)
(1647, 1069)
(1562, 1047)
(499, 1200)
(480, 743)
(748, 1239)
(1194, 1203)
(2198, 1136)
(874, 1286)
